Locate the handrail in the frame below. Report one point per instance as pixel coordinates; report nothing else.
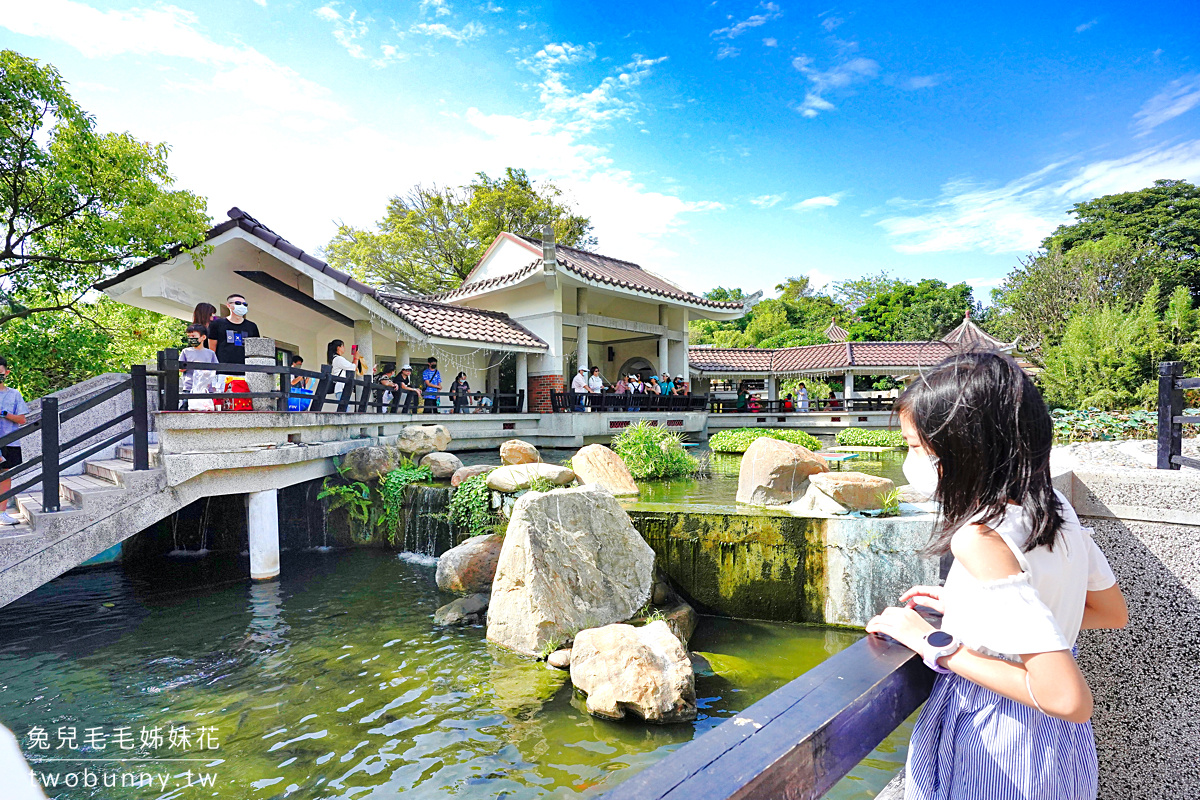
(800, 740)
(1171, 418)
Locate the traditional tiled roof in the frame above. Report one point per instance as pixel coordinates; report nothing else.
(819, 357)
(834, 333)
(592, 267)
(968, 337)
(429, 317)
(460, 322)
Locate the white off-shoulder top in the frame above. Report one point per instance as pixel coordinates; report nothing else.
(1038, 610)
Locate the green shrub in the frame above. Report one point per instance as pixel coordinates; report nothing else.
(738, 439)
(1092, 424)
(470, 507)
(860, 437)
(392, 487)
(653, 452)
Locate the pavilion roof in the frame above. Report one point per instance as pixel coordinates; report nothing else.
(969, 337)
(819, 358)
(835, 333)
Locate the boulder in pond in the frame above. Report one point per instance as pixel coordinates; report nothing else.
(856, 491)
(470, 567)
(469, 610)
(645, 671)
(462, 473)
(600, 465)
(368, 463)
(421, 439)
(560, 659)
(816, 503)
(514, 451)
(571, 560)
(515, 477)
(775, 473)
(681, 619)
(442, 465)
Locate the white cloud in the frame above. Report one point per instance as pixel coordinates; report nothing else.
(1015, 217)
(492, 8)
(771, 41)
(770, 11)
(818, 280)
(767, 200)
(727, 51)
(1179, 97)
(1084, 26)
(837, 78)
(262, 3)
(346, 30)
(820, 201)
(172, 33)
(830, 23)
(923, 81)
(584, 110)
(439, 7)
(472, 30)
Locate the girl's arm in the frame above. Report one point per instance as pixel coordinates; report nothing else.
(1105, 609)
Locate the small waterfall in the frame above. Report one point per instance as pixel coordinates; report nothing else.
(426, 527)
(311, 518)
(180, 549)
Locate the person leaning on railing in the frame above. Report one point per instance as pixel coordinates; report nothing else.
(12, 416)
(408, 391)
(197, 381)
(460, 393)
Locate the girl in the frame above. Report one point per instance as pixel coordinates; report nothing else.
(198, 381)
(203, 313)
(335, 353)
(460, 392)
(1008, 718)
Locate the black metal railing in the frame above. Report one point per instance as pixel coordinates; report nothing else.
(56, 455)
(729, 405)
(1171, 417)
(800, 740)
(339, 393)
(610, 401)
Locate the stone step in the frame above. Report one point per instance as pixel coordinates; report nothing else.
(54, 523)
(84, 490)
(125, 453)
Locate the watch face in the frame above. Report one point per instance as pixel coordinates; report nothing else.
(939, 639)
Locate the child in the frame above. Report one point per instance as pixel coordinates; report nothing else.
(1008, 718)
(199, 381)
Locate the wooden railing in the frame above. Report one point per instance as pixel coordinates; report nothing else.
(800, 740)
(56, 455)
(610, 401)
(1171, 418)
(725, 405)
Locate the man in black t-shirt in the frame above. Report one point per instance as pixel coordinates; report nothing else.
(227, 335)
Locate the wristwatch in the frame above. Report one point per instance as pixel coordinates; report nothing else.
(939, 644)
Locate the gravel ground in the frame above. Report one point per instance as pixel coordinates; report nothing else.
(1134, 453)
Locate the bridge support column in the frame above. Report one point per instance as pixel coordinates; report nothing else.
(262, 509)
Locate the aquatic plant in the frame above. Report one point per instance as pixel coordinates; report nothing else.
(861, 437)
(1092, 424)
(392, 488)
(470, 507)
(355, 497)
(653, 452)
(738, 440)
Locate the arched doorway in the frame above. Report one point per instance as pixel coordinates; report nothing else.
(636, 364)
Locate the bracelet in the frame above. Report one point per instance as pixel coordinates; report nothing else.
(1029, 689)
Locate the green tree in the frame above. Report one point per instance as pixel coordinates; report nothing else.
(1038, 298)
(906, 312)
(856, 292)
(432, 237)
(77, 204)
(796, 317)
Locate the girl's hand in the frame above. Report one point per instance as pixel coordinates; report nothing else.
(928, 596)
(902, 624)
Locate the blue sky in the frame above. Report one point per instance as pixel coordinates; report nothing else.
(717, 143)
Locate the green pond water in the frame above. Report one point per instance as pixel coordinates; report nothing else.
(333, 683)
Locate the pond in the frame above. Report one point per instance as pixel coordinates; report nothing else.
(332, 683)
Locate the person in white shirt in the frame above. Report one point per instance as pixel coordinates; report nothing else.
(579, 387)
(335, 351)
(595, 382)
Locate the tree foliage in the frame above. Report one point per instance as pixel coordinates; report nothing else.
(77, 204)
(798, 316)
(430, 238)
(906, 312)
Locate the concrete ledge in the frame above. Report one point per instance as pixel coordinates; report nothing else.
(810, 422)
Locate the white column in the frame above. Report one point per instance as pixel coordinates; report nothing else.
(402, 354)
(364, 337)
(523, 376)
(581, 310)
(664, 361)
(262, 511)
(772, 387)
(849, 379)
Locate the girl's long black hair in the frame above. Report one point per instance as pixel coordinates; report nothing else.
(984, 419)
(331, 350)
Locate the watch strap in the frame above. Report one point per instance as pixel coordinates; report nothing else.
(932, 653)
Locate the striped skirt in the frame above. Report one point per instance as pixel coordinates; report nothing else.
(972, 744)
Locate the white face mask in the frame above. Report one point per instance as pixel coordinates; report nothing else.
(921, 472)
(240, 309)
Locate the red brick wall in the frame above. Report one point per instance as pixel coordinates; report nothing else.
(540, 387)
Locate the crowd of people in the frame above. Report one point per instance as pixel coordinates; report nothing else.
(588, 381)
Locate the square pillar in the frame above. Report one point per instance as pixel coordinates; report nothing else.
(581, 309)
(849, 393)
(403, 354)
(260, 351)
(664, 360)
(523, 378)
(364, 337)
(772, 387)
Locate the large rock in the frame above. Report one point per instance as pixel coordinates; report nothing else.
(599, 465)
(516, 477)
(442, 465)
(462, 473)
(421, 439)
(681, 619)
(857, 491)
(470, 567)
(571, 560)
(774, 472)
(644, 670)
(470, 610)
(816, 503)
(514, 451)
(368, 463)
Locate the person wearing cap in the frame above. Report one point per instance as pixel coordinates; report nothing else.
(664, 383)
(680, 386)
(408, 392)
(579, 387)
